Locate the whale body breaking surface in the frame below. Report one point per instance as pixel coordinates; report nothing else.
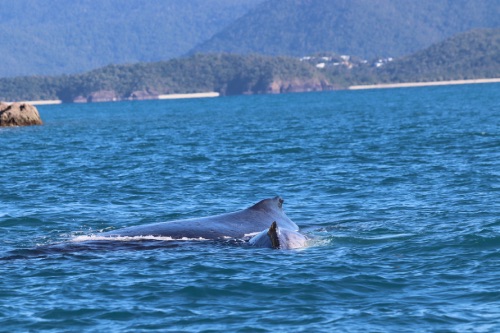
(266, 220)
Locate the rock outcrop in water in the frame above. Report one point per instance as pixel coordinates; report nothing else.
(279, 86)
(19, 114)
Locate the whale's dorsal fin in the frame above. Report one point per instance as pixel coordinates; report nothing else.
(273, 235)
(269, 204)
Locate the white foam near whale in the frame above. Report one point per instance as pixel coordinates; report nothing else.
(85, 238)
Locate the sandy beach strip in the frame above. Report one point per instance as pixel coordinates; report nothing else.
(422, 84)
(194, 95)
(47, 102)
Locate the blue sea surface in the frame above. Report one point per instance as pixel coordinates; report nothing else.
(399, 190)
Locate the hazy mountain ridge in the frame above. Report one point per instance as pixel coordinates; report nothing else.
(51, 37)
(47, 37)
(365, 28)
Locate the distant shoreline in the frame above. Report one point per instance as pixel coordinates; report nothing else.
(213, 94)
(421, 84)
(41, 102)
(209, 94)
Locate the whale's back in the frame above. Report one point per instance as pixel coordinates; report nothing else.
(227, 225)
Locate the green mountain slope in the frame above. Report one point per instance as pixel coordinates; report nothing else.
(473, 54)
(470, 55)
(365, 28)
(47, 37)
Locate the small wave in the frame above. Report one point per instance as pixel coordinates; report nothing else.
(86, 238)
(4, 214)
(289, 150)
(387, 237)
(318, 242)
(16, 221)
(365, 239)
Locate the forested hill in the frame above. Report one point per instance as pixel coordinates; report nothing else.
(470, 55)
(48, 37)
(223, 73)
(364, 28)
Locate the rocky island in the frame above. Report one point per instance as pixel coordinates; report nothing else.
(19, 114)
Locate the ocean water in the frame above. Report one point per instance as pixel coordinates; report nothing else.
(398, 189)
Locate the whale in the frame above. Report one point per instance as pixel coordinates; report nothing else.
(256, 220)
(263, 225)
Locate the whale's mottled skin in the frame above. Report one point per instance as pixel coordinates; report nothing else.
(233, 225)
